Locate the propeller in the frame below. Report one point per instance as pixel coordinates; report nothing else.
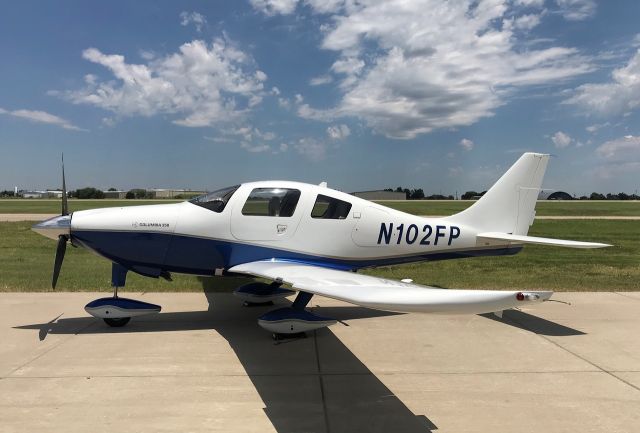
(62, 239)
(57, 264)
(65, 205)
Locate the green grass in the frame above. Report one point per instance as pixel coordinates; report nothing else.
(52, 206)
(417, 207)
(543, 208)
(543, 267)
(26, 261)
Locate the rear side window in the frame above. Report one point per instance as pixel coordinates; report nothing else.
(278, 202)
(330, 208)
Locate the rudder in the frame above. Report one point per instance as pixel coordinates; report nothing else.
(508, 206)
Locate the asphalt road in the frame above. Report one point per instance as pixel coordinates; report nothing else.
(203, 365)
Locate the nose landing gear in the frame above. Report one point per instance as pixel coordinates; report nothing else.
(115, 311)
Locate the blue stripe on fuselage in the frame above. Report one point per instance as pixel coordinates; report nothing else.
(201, 256)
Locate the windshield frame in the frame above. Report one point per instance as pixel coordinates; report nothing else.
(217, 200)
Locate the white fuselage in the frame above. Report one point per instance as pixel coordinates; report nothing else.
(185, 237)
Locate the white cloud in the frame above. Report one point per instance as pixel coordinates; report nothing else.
(466, 144)
(577, 10)
(619, 157)
(596, 127)
(530, 3)
(527, 22)
(409, 67)
(274, 7)
(108, 122)
(338, 132)
(42, 117)
(248, 133)
(311, 149)
(322, 79)
(621, 149)
(284, 103)
(619, 96)
(205, 84)
(147, 55)
(561, 140)
(195, 18)
(455, 171)
(218, 139)
(255, 148)
(275, 91)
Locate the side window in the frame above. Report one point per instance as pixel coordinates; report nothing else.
(279, 202)
(330, 208)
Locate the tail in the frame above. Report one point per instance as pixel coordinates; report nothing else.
(508, 206)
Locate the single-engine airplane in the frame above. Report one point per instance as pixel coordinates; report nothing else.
(311, 237)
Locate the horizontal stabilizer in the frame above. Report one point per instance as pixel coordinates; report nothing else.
(388, 295)
(521, 239)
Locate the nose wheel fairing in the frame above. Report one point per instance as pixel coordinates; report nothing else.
(117, 311)
(120, 308)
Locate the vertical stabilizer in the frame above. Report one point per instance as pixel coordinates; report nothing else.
(508, 206)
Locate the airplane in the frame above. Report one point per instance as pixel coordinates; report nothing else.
(312, 238)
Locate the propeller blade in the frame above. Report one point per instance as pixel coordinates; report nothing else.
(65, 206)
(57, 264)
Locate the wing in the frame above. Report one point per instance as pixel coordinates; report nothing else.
(387, 295)
(520, 239)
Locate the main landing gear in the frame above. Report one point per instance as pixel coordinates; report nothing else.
(115, 311)
(284, 323)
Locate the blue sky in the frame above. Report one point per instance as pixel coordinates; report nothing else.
(438, 95)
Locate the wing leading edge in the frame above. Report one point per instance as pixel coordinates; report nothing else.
(387, 295)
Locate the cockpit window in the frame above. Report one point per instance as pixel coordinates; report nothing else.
(279, 202)
(330, 208)
(216, 200)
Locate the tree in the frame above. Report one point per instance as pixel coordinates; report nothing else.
(87, 193)
(112, 189)
(129, 195)
(596, 196)
(139, 193)
(469, 195)
(416, 194)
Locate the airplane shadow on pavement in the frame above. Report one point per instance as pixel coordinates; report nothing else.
(313, 384)
(535, 324)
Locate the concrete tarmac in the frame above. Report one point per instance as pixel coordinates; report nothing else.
(204, 365)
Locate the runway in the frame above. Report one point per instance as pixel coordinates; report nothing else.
(203, 365)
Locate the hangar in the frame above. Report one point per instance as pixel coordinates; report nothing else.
(554, 195)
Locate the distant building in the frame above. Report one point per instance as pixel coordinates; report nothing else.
(115, 194)
(33, 194)
(380, 195)
(554, 195)
(41, 194)
(173, 193)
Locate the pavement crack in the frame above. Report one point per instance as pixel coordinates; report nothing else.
(627, 296)
(524, 326)
(55, 346)
(321, 381)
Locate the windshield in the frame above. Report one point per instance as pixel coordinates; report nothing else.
(216, 200)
